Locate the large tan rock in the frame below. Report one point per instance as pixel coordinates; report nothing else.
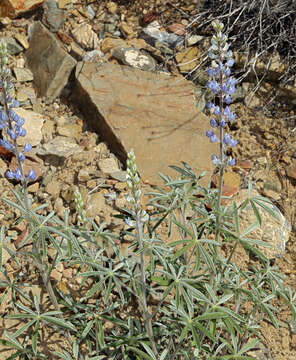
(154, 114)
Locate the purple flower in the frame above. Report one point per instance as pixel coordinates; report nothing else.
(31, 175)
(213, 86)
(216, 161)
(228, 141)
(16, 174)
(6, 144)
(231, 161)
(210, 105)
(27, 148)
(212, 136)
(222, 122)
(227, 72)
(11, 134)
(227, 99)
(230, 62)
(21, 157)
(213, 123)
(3, 116)
(230, 115)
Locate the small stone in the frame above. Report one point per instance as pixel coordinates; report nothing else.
(64, 3)
(59, 207)
(119, 175)
(109, 165)
(177, 29)
(13, 48)
(53, 17)
(70, 130)
(83, 175)
(188, 59)
(33, 188)
(134, 58)
(60, 147)
(33, 125)
(56, 275)
(53, 188)
(23, 74)
(85, 36)
(126, 29)
(111, 7)
(193, 39)
(22, 40)
(120, 186)
(68, 273)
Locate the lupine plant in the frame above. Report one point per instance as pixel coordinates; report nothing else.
(181, 295)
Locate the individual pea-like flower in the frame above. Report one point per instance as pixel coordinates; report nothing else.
(213, 123)
(21, 157)
(31, 175)
(231, 161)
(228, 141)
(229, 115)
(213, 86)
(212, 136)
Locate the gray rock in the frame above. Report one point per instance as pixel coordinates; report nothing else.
(13, 47)
(49, 63)
(60, 147)
(22, 74)
(53, 17)
(119, 176)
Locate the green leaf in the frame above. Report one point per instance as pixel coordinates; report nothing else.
(160, 280)
(250, 345)
(75, 349)
(12, 344)
(139, 352)
(164, 354)
(87, 328)
(148, 349)
(64, 356)
(34, 338)
(267, 208)
(101, 335)
(24, 328)
(211, 316)
(58, 322)
(256, 212)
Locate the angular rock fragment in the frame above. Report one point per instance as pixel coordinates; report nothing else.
(154, 114)
(49, 63)
(13, 8)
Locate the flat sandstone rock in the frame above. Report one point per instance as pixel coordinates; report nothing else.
(154, 114)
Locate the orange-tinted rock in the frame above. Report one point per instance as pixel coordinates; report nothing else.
(13, 8)
(177, 29)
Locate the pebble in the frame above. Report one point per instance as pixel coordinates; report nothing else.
(111, 7)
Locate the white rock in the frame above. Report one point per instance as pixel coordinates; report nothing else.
(33, 126)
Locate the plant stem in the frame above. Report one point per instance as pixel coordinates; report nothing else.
(146, 314)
